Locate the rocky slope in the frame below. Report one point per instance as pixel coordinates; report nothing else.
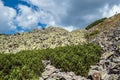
(109, 64)
(108, 67)
(107, 23)
(109, 39)
(50, 37)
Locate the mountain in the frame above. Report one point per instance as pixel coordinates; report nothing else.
(50, 37)
(104, 32)
(107, 35)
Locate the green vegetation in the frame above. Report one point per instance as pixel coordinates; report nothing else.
(95, 23)
(28, 64)
(88, 35)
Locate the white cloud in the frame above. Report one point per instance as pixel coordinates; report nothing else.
(29, 18)
(78, 13)
(56, 9)
(7, 16)
(69, 28)
(69, 13)
(110, 11)
(26, 17)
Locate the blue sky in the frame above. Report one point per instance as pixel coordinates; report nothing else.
(25, 15)
(14, 3)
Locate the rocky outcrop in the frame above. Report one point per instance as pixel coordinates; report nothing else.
(50, 37)
(52, 73)
(109, 65)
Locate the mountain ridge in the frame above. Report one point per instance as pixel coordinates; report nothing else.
(50, 37)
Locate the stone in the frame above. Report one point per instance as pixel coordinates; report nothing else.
(91, 72)
(46, 62)
(115, 70)
(96, 67)
(105, 76)
(116, 59)
(41, 78)
(106, 55)
(96, 76)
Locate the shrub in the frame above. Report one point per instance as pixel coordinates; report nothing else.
(88, 35)
(95, 23)
(28, 64)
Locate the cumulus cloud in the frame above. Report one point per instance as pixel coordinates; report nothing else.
(7, 16)
(56, 9)
(78, 13)
(29, 18)
(70, 28)
(110, 11)
(71, 14)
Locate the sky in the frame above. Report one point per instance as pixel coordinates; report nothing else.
(25, 15)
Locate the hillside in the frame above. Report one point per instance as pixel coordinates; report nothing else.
(55, 53)
(50, 37)
(107, 35)
(104, 25)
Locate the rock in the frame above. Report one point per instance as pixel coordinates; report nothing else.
(116, 59)
(105, 76)
(106, 55)
(49, 70)
(91, 72)
(114, 77)
(52, 73)
(46, 62)
(115, 70)
(62, 79)
(41, 78)
(96, 76)
(94, 67)
(71, 74)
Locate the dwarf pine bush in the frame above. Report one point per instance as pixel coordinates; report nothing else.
(28, 64)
